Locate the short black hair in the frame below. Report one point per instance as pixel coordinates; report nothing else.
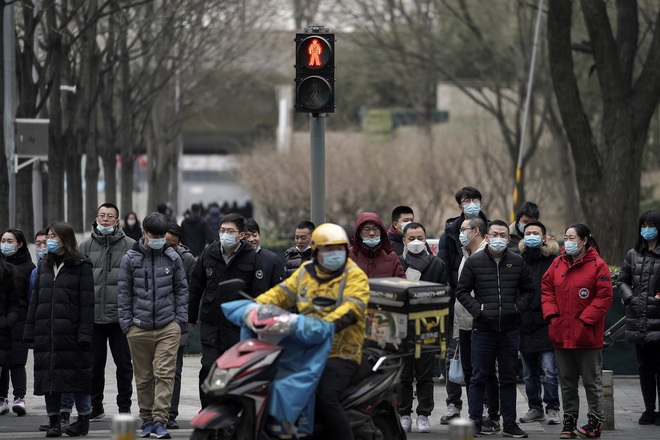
(155, 224)
(251, 225)
(413, 225)
(109, 205)
(530, 209)
(498, 223)
(195, 208)
(43, 231)
(306, 224)
(537, 223)
(175, 229)
(399, 210)
(467, 192)
(238, 219)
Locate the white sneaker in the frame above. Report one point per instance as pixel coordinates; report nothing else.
(423, 424)
(533, 415)
(452, 413)
(553, 417)
(4, 406)
(406, 423)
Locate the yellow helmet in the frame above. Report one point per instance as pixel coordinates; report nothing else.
(328, 234)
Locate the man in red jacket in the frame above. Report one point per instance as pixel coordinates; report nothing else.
(371, 249)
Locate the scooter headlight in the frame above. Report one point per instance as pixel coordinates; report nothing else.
(221, 378)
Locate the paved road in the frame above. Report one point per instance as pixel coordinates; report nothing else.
(628, 406)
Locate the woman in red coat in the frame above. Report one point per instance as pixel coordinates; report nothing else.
(576, 295)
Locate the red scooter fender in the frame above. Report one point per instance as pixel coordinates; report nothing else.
(217, 417)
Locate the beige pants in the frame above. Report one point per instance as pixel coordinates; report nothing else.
(154, 363)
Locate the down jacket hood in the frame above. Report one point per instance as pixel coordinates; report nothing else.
(358, 245)
(548, 248)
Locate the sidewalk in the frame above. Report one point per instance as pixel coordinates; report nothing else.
(628, 406)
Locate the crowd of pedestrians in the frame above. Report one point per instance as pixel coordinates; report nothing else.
(137, 287)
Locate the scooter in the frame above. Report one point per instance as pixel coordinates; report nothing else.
(240, 384)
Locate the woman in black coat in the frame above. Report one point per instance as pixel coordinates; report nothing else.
(639, 288)
(8, 312)
(15, 249)
(60, 322)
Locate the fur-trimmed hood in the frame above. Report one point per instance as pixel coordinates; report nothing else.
(548, 248)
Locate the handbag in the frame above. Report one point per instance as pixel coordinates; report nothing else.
(456, 374)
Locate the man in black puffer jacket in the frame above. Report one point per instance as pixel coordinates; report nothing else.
(503, 289)
(230, 257)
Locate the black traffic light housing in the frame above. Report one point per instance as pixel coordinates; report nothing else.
(315, 71)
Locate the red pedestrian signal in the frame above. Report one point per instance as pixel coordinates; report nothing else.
(315, 73)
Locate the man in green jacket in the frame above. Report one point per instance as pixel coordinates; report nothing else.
(105, 248)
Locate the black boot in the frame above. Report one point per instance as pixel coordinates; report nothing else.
(79, 427)
(54, 428)
(64, 419)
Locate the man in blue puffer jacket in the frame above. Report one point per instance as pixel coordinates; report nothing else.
(153, 307)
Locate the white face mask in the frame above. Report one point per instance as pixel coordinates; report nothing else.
(416, 246)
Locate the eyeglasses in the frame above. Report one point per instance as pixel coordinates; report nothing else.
(466, 202)
(229, 231)
(52, 237)
(503, 235)
(369, 229)
(106, 217)
(467, 229)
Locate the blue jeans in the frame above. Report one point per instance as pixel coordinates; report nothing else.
(487, 347)
(67, 401)
(54, 403)
(533, 365)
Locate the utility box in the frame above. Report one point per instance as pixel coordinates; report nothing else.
(32, 137)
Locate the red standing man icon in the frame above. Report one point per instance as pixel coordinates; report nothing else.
(314, 51)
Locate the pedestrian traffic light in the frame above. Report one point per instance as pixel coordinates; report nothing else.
(315, 72)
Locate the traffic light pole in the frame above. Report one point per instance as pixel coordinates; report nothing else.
(317, 170)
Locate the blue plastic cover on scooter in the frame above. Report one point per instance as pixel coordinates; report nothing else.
(300, 367)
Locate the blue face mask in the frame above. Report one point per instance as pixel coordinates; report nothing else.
(533, 241)
(228, 241)
(463, 238)
(53, 246)
(497, 245)
(8, 249)
(472, 210)
(41, 253)
(648, 234)
(571, 247)
(157, 243)
(521, 227)
(105, 230)
(371, 242)
(403, 226)
(333, 260)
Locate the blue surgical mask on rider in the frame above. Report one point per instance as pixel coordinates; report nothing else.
(333, 260)
(53, 246)
(472, 210)
(371, 242)
(8, 249)
(497, 245)
(228, 241)
(157, 243)
(105, 230)
(649, 234)
(572, 247)
(41, 253)
(533, 241)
